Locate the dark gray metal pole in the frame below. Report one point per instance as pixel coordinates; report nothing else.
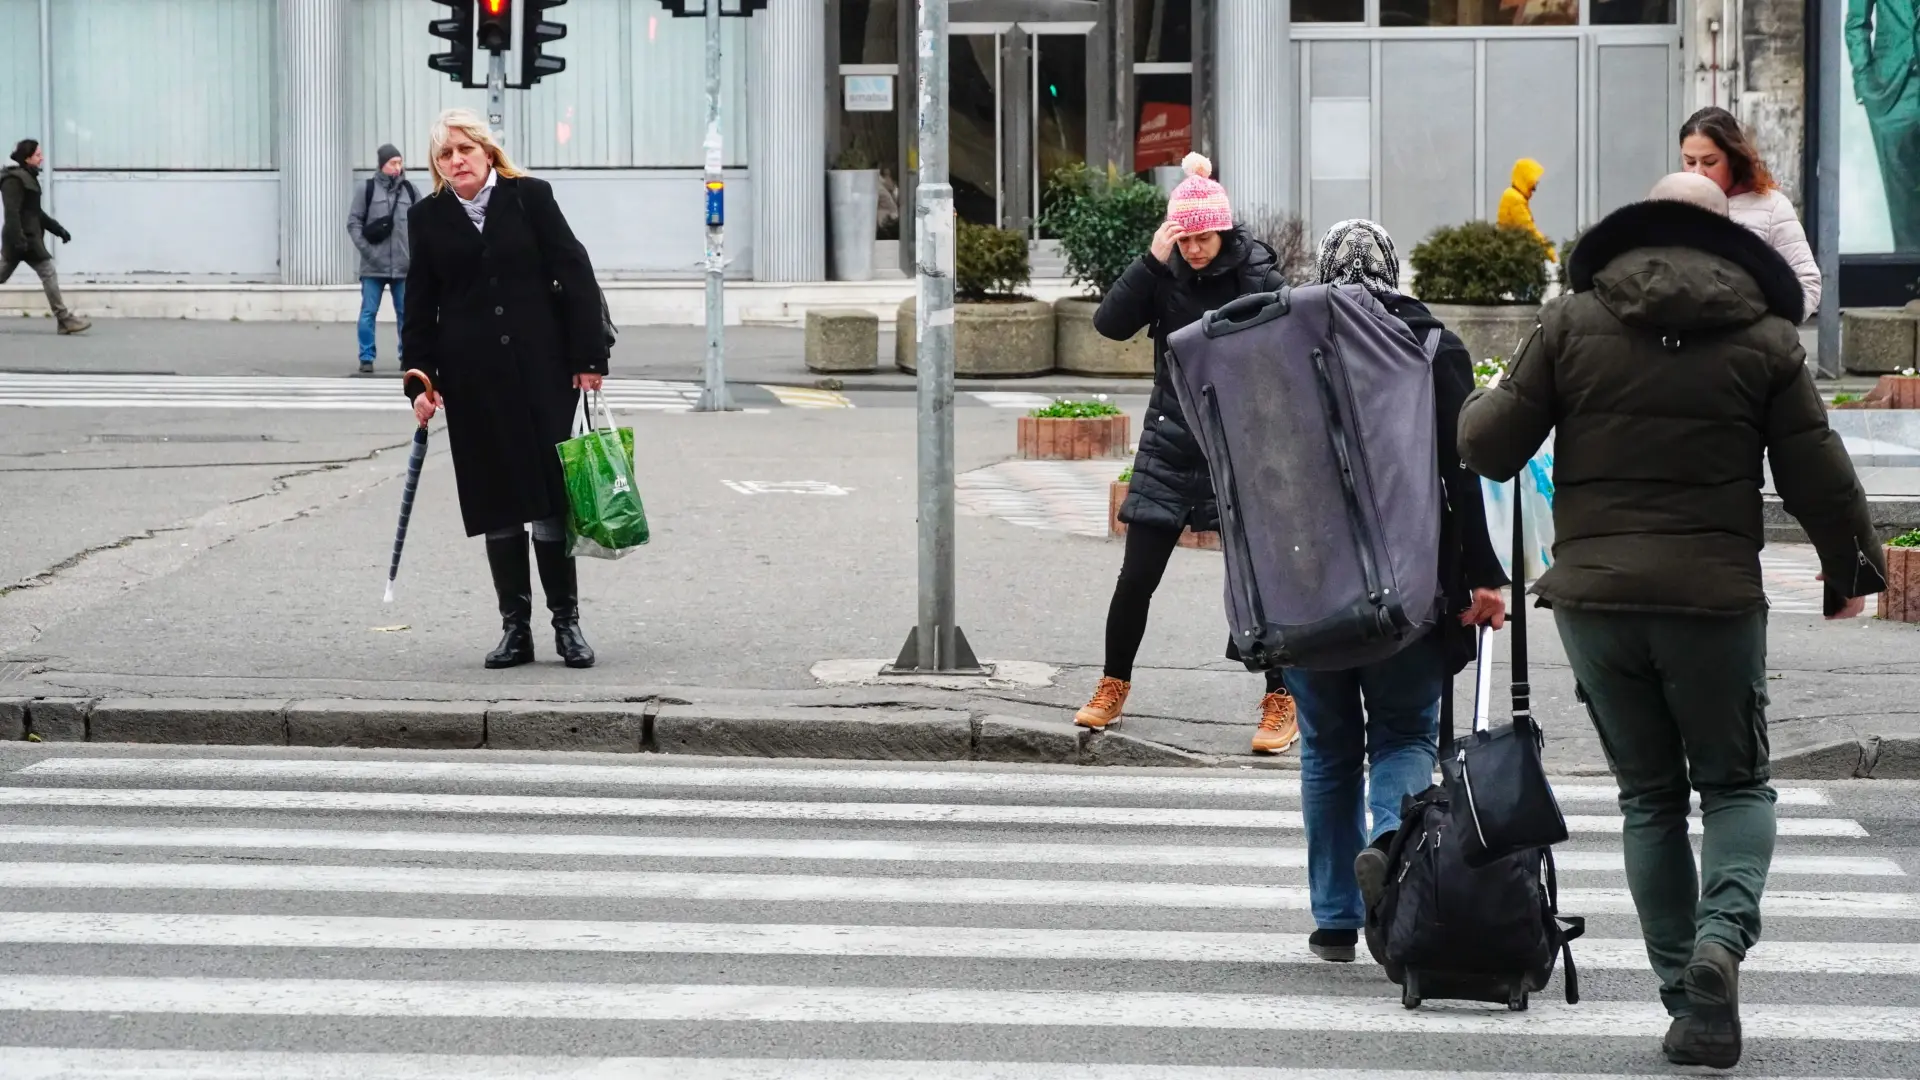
(1827, 172)
(713, 396)
(936, 644)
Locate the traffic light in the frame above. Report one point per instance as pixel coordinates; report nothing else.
(457, 62)
(535, 33)
(694, 9)
(493, 25)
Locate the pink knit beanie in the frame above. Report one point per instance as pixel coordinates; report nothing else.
(1199, 204)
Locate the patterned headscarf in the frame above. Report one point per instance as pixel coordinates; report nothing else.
(1359, 252)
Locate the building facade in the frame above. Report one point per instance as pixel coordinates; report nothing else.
(222, 139)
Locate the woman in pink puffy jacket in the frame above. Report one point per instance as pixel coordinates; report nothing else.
(1712, 144)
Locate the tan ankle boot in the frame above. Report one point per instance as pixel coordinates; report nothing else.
(1104, 709)
(1279, 725)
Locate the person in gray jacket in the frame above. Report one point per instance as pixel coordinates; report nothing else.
(377, 223)
(26, 226)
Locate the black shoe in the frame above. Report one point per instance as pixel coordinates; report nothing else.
(513, 584)
(1710, 1035)
(1335, 945)
(366, 367)
(1370, 868)
(560, 579)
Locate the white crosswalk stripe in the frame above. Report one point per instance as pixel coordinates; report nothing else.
(759, 922)
(276, 392)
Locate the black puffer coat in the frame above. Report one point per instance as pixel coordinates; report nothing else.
(1171, 487)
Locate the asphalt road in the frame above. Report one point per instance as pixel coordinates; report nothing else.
(293, 914)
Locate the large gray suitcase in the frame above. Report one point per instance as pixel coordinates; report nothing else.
(1314, 407)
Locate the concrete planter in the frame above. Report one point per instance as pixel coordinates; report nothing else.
(1117, 495)
(1901, 601)
(1877, 341)
(1079, 349)
(1073, 439)
(842, 341)
(1489, 330)
(1013, 339)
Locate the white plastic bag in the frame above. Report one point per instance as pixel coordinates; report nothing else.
(1536, 502)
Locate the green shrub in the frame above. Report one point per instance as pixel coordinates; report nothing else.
(989, 263)
(1126, 475)
(855, 157)
(1906, 540)
(1480, 263)
(1103, 221)
(1562, 272)
(1076, 410)
(1485, 370)
(1845, 399)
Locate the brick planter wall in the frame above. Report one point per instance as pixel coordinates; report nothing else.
(1889, 392)
(1901, 601)
(1055, 439)
(1117, 494)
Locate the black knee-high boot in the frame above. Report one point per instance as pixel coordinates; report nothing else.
(560, 580)
(513, 584)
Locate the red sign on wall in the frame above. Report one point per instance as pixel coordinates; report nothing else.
(1164, 136)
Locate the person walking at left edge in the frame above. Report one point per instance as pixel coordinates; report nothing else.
(504, 316)
(377, 224)
(23, 233)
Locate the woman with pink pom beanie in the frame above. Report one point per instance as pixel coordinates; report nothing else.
(1171, 489)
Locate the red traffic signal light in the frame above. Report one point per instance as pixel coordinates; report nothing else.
(493, 30)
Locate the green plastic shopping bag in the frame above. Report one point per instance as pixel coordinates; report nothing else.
(605, 519)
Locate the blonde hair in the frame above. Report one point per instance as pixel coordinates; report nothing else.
(466, 122)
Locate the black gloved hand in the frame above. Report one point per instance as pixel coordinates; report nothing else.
(65, 236)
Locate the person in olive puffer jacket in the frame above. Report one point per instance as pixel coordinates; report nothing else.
(1669, 377)
(1171, 489)
(25, 228)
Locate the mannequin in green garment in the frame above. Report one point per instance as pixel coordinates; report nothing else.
(1886, 80)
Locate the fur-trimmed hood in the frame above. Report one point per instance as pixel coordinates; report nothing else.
(1673, 266)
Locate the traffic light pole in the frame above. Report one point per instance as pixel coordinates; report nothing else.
(936, 645)
(497, 96)
(713, 397)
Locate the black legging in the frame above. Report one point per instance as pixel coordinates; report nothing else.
(1148, 549)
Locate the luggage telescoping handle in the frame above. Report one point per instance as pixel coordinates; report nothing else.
(1517, 614)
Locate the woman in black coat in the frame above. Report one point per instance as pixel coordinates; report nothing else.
(504, 315)
(1171, 489)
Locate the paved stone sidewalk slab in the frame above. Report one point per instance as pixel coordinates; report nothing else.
(59, 719)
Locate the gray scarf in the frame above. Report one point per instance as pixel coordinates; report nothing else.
(1359, 252)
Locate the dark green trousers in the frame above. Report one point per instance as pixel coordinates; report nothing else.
(1680, 705)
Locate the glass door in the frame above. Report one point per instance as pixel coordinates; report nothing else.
(1018, 110)
(975, 153)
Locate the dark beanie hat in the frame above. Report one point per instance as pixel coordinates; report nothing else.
(387, 153)
(24, 149)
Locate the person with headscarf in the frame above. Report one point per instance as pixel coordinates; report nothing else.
(1369, 735)
(25, 228)
(1199, 260)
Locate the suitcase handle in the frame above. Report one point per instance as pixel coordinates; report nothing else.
(1245, 312)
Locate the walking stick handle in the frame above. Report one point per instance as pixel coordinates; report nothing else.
(413, 374)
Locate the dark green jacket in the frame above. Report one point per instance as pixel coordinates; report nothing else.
(1668, 376)
(24, 232)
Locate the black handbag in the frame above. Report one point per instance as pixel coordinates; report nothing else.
(1496, 778)
(378, 229)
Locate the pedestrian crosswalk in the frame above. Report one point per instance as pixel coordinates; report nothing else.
(362, 915)
(275, 392)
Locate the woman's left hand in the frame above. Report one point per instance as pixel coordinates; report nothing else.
(588, 382)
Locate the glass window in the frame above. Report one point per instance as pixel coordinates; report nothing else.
(870, 139)
(1332, 11)
(20, 73)
(870, 31)
(669, 89)
(1631, 12)
(1162, 123)
(182, 85)
(1480, 12)
(1162, 31)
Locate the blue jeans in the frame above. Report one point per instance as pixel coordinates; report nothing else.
(1397, 735)
(370, 306)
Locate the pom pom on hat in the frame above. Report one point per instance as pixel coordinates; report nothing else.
(1199, 204)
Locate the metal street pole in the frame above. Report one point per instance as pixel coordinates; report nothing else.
(1828, 172)
(713, 397)
(497, 95)
(936, 644)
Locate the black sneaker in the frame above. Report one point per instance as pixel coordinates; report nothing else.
(1370, 868)
(1335, 945)
(366, 367)
(1710, 1036)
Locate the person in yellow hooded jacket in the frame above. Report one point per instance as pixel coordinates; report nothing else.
(1516, 203)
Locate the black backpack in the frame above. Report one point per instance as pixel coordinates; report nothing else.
(1443, 929)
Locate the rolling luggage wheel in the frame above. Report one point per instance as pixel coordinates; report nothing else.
(1517, 996)
(1410, 990)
